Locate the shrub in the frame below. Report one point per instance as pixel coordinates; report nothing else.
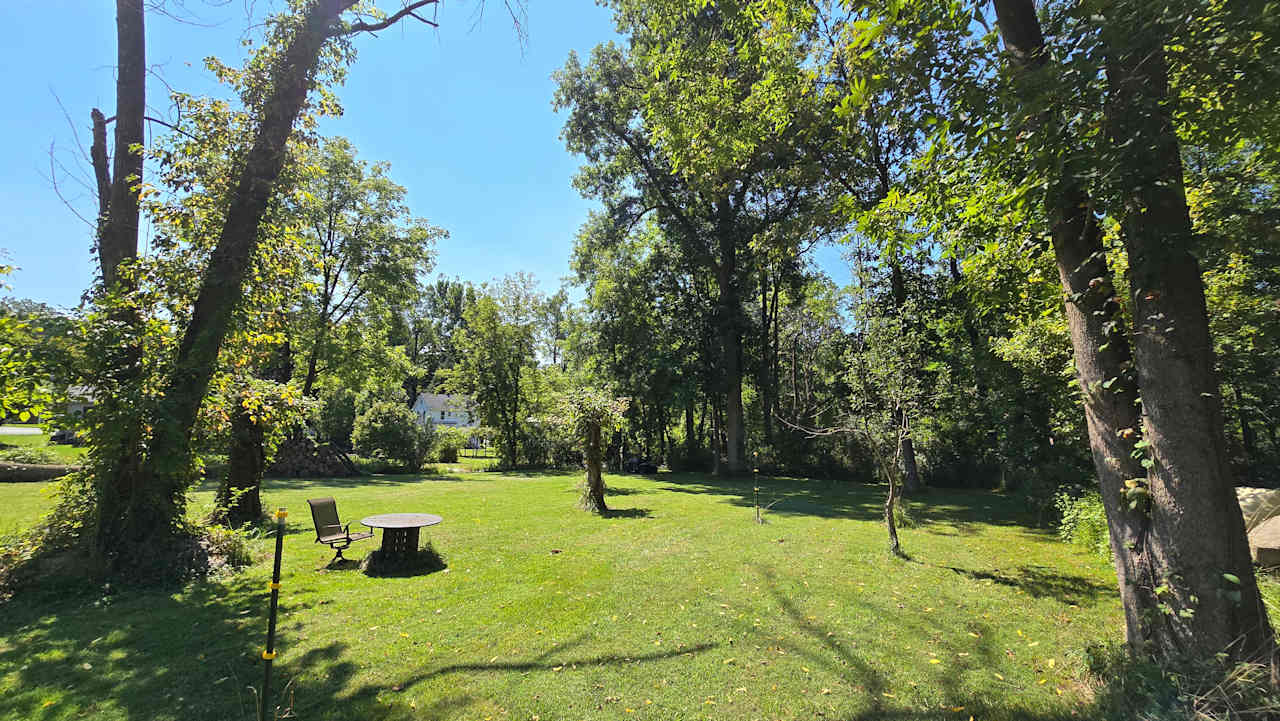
(36, 456)
(227, 547)
(391, 431)
(449, 442)
(1084, 522)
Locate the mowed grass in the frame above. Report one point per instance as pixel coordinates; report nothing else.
(70, 455)
(677, 606)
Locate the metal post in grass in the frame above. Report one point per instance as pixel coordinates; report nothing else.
(269, 655)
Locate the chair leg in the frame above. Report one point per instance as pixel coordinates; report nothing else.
(338, 557)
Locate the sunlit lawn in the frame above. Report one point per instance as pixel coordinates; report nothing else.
(65, 453)
(676, 607)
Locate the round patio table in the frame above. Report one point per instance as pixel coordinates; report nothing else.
(400, 531)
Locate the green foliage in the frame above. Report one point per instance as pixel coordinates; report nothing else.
(229, 547)
(335, 417)
(497, 361)
(390, 431)
(24, 380)
(585, 408)
(366, 254)
(20, 454)
(449, 441)
(1083, 521)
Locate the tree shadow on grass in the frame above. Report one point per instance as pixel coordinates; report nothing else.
(961, 510)
(623, 491)
(138, 654)
(874, 685)
(378, 480)
(320, 685)
(627, 513)
(1043, 582)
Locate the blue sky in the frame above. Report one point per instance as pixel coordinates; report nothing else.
(462, 114)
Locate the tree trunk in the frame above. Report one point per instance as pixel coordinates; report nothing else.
(731, 354)
(120, 496)
(910, 471)
(239, 500)
(690, 433)
(981, 353)
(766, 364)
(593, 489)
(1197, 532)
(1099, 342)
(156, 498)
(118, 229)
(313, 365)
(890, 471)
(911, 484)
(1248, 437)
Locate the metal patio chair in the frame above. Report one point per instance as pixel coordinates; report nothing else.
(331, 531)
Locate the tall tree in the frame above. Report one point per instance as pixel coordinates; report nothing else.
(140, 495)
(497, 352)
(615, 105)
(1190, 484)
(1186, 589)
(368, 251)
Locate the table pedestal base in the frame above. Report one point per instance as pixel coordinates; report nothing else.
(399, 542)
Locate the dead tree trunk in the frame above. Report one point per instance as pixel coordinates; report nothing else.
(121, 496)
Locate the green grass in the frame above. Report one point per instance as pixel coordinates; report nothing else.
(69, 455)
(678, 606)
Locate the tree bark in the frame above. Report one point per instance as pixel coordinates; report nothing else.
(1248, 437)
(121, 496)
(1197, 531)
(593, 489)
(1098, 338)
(118, 228)
(731, 349)
(239, 500)
(766, 357)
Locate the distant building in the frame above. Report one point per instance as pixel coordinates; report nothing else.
(444, 410)
(79, 398)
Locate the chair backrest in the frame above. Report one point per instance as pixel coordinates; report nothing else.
(324, 512)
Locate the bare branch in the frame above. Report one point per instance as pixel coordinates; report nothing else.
(53, 179)
(406, 11)
(174, 128)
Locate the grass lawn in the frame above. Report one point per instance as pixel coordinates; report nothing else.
(69, 455)
(677, 606)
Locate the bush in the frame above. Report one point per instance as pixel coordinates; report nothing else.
(35, 456)
(227, 547)
(1084, 522)
(449, 441)
(390, 431)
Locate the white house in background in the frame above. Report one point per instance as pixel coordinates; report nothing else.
(444, 410)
